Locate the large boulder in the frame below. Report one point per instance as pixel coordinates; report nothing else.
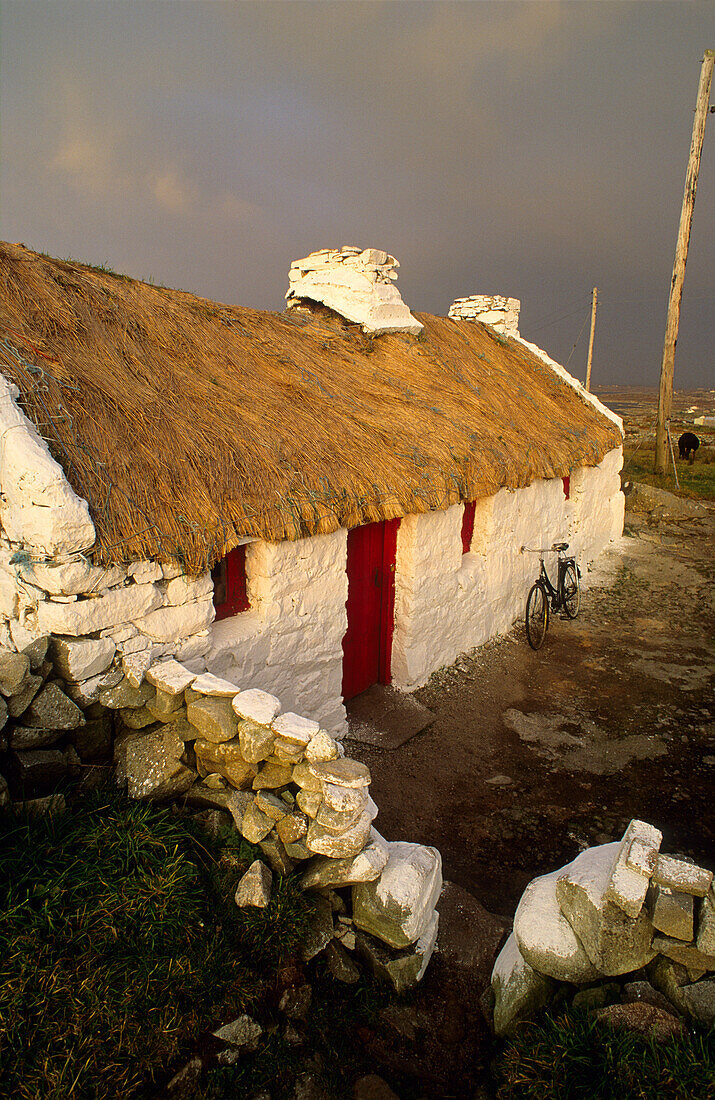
(398, 905)
(519, 991)
(546, 939)
(401, 968)
(614, 942)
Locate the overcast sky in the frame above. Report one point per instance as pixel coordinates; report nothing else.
(529, 149)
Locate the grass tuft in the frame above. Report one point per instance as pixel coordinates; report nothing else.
(120, 944)
(571, 1056)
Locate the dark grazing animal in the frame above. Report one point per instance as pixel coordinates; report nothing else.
(688, 445)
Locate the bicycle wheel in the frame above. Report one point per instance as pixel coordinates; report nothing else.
(571, 591)
(537, 615)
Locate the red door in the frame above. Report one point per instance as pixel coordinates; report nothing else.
(367, 645)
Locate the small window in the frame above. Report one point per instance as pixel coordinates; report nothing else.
(229, 577)
(567, 486)
(468, 525)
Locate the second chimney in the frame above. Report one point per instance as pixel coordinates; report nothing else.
(501, 313)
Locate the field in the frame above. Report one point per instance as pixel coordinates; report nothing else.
(638, 409)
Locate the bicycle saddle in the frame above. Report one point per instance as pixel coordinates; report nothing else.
(560, 546)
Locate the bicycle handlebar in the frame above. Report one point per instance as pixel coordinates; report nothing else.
(558, 547)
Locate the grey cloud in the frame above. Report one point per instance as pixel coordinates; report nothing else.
(527, 148)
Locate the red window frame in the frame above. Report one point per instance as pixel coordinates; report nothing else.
(468, 525)
(230, 590)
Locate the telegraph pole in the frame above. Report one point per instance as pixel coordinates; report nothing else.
(665, 397)
(594, 300)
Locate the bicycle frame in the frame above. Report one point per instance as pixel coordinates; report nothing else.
(556, 595)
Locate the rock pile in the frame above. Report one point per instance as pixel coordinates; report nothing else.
(356, 283)
(616, 909)
(501, 313)
(290, 790)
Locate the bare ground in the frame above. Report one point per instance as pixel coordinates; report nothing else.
(533, 756)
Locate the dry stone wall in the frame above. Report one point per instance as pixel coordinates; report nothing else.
(177, 734)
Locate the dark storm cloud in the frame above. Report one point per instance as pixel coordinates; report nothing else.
(522, 148)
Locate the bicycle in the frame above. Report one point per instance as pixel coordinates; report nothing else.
(544, 597)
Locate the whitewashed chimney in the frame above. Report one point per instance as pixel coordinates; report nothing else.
(357, 283)
(501, 313)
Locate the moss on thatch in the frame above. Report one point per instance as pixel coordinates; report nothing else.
(189, 425)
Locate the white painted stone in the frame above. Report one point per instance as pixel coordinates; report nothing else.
(193, 648)
(183, 589)
(170, 677)
(499, 312)
(169, 624)
(81, 658)
(9, 596)
(257, 705)
(546, 939)
(73, 577)
(208, 684)
(40, 509)
(519, 991)
(614, 942)
(628, 886)
(292, 727)
(397, 906)
(356, 287)
(679, 875)
(120, 605)
(145, 572)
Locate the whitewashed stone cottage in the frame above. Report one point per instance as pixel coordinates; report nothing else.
(305, 503)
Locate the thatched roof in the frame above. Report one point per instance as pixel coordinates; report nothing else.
(188, 425)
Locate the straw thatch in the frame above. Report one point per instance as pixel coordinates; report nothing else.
(189, 425)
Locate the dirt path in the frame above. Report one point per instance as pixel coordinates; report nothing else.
(533, 756)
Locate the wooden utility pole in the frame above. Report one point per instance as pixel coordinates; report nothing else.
(594, 301)
(665, 397)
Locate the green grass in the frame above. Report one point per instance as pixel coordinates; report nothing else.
(120, 943)
(570, 1056)
(696, 481)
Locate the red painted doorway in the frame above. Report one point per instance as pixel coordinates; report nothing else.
(367, 645)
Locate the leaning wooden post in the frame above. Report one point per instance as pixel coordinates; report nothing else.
(590, 339)
(665, 397)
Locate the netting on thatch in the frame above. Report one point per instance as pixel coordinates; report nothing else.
(188, 425)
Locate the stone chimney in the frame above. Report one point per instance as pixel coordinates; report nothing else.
(501, 313)
(357, 283)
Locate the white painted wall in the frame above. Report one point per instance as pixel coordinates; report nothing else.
(447, 602)
(290, 642)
